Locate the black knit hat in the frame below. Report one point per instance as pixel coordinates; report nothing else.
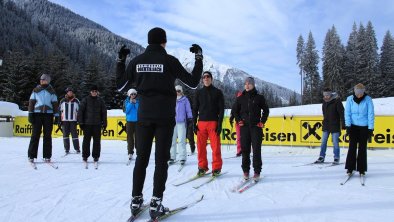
(157, 36)
(207, 73)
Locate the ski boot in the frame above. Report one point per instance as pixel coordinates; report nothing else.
(136, 203)
(157, 209)
(320, 160)
(216, 173)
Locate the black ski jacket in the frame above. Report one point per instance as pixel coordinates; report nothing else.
(248, 108)
(333, 114)
(208, 104)
(153, 74)
(92, 111)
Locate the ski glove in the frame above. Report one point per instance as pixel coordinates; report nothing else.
(31, 118)
(197, 50)
(122, 54)
(195, 129)
(219, 128)
(104, 127)
(82, 127)
(347, 130)
(56, 120)
(370, 133)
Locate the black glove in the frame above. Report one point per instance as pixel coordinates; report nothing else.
(219, 128)
(104, 127)
(123, 52)
(56, 121)
(195, 128)
(82, 126)
(31, 118)
(197, 50)
(189, 121)
(370, 132)
(347, 130)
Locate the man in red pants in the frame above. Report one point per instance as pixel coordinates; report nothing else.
(209, 110)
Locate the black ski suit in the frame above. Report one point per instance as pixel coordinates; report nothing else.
(247, 108)
(153, 75)
(92, 116)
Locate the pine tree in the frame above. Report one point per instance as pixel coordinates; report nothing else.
(350, 62)
(312, 88)
(387, 66)
(300, 54)
(367, 58)
(333, 53)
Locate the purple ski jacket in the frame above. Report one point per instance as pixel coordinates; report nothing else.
(183, 110)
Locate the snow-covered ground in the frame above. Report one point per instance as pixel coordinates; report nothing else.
(287, 193)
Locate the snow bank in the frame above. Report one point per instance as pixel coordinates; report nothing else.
(9, 109)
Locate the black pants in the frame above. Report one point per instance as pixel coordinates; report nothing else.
(130, 130)
(70, 127)
(190, 137)
(89, 132)
(41, 121)
(251, 136)
(162, 132)
(358, 140)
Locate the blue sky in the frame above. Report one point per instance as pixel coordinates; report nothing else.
(258, 37)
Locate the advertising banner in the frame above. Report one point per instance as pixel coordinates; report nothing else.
(278, 131)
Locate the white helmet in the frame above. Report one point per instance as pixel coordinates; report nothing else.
(131, 91)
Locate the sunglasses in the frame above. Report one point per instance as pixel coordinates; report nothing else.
(178, 91)
(206, 77)
(133, 94)
(94, 91)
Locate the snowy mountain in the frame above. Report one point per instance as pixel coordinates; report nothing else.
(231, 77)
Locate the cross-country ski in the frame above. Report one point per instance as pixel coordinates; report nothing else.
(143, 208)
(172, 212)
(348, 177)
(209, 180)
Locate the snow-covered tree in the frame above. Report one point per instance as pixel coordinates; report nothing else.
(312, 86)
(387, 66)
(333, 54)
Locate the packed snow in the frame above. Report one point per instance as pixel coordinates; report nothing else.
(286, 193)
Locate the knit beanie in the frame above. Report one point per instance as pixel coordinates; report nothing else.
(207, 73)
(178, 88)
(157, 36)
(46, 77)
(359, 89)
(250, 80)
(327, 92)
(131, 91)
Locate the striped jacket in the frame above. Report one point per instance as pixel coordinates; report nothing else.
(69, 109)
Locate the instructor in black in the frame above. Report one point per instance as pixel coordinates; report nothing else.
(153, 75)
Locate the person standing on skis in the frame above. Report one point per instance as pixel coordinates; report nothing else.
(360, 121)
(153, 75)
(130, 108)
(183, 116)
(69, 107)
(43, 106)
(333, 121)
(208, 111)
(251, 113)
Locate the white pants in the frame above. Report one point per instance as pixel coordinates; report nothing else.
(180, 133)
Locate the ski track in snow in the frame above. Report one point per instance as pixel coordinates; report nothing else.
(286, 193)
